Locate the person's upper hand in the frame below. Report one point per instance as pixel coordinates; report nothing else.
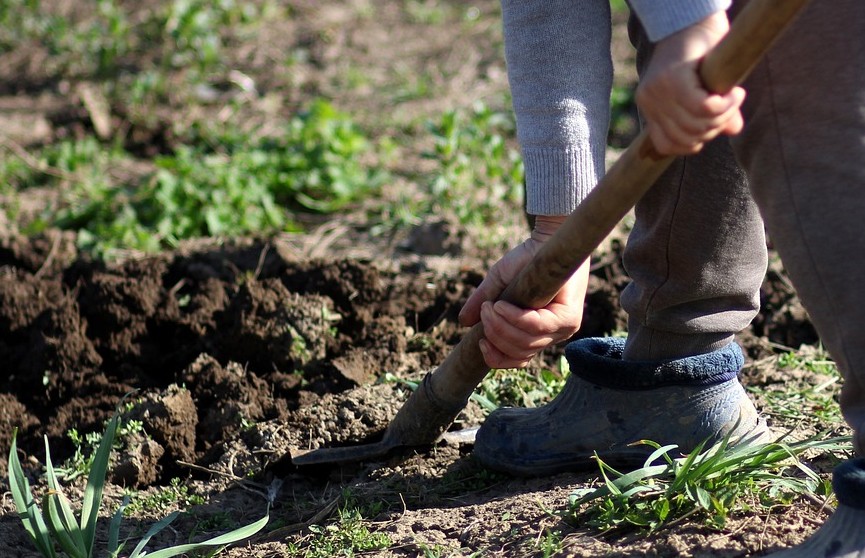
(513, 335)
(680, 114)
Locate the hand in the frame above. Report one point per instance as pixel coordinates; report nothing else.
(680, 114)
(513, 335)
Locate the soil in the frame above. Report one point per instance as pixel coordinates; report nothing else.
(234, 353)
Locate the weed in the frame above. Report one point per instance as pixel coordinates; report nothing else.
(519, 388)
(56, 525)
(508, 387)
(809, 402)
(477, 172)
(230, 184)
(86, 446)
(550, 544)
(346, 537)
(176, 494)
(714, 483)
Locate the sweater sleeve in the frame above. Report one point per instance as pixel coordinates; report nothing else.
(662, 18)
(560, 72)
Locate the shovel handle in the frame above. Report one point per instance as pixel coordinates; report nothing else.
(446, 390)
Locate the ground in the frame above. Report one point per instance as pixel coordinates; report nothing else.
(233, 353)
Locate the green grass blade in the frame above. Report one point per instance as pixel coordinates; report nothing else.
(95, 485)
(623, 482)
(63, 531)
(62, 518)
(660, 452)
(114, 529)
(155, 528)
(228, 538)
(29, 514)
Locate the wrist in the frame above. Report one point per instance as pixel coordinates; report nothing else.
(699, 37)
(546, 226)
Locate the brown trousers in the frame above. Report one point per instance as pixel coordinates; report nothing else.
(697, 252)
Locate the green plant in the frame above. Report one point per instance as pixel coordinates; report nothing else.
(86, 447)
(477, 172)
(176, 493)
(711, 482)
(812, 401)
(347, 536)
(550, 544)
(520, 387)
(509, 387)
(56, 525)
(225, 184)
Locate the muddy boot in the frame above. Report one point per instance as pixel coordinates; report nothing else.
(843, 534)
(608, 403)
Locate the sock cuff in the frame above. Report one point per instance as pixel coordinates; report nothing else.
(848, 482)
(599, 361)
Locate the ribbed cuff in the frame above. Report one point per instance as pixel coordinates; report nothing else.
(848, 482)
(599, 361)
(662, 18)
(559, 179)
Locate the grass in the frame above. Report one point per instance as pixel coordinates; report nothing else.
(176, 494)
(86, 448)
(473, 156)
(226, 183)
(348, 536)
(56, 527)
(710, 483)
(812, 402)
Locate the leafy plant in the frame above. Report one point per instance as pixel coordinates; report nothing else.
(56, 525)
(346, 537)
(175, 493)
(86, 447)
(225, 184)
(520, 387)
(711, 482)
(477, 172)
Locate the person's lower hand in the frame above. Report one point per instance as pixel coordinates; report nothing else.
(680, 114)
(513, 335)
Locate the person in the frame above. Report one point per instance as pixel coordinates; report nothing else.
(788, 157)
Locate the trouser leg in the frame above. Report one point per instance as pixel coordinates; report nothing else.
(696, 255)
(803, 148)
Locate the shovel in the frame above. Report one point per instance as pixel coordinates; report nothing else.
(444, 392)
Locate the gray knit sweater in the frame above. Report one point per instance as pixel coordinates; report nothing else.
(560, 72)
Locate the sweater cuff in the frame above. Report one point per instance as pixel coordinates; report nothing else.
(558, 179)
(662, 18)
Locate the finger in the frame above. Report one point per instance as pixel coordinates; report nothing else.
(470, 313)
(510, 340)
(496, 359)
(553, 323)
(672, 141)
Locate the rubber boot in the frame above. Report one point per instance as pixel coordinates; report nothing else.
(608, 404)
(843, 534)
